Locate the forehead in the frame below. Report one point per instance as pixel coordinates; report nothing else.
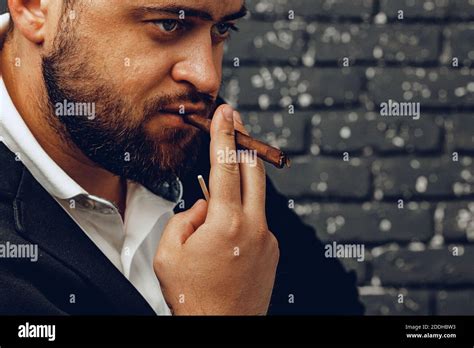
(216, 8)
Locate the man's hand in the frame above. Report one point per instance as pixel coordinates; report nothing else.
(219, 258)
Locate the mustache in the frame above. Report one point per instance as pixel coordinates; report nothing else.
(162, 103)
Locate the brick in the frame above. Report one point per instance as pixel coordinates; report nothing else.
(461, 9)
(280, 41)
(386, 302)
(456, 220)
(332, 42)
(426, 267)
(424, 177)
(337, 132)
(457, 38)
(464, 132)
(354, 130)
(431, 87)
(392, 43)
(288, 132)
(311, 8)
(415, 9)
(408, 43)
(455, 302)
(323, 177)
(268, 87)
(371, 222)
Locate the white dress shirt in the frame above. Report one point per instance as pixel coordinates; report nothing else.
(130, 244)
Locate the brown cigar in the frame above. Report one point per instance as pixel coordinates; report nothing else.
(266, 152)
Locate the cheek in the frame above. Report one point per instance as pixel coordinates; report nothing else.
(139, 78)
(134, 67)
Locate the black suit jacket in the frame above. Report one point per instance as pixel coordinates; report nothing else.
(71, 266)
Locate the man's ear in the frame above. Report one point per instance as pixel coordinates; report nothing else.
(29, 17)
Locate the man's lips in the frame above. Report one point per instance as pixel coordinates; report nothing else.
(179, 114)
(174, 115)
(175, 118)
(183, 109)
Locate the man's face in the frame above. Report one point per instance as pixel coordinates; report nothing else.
(140, 63)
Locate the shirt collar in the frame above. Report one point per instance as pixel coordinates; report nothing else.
(19, 139)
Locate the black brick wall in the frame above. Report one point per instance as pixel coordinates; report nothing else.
(298, 62)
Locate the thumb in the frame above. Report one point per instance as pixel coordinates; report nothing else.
(182, 225)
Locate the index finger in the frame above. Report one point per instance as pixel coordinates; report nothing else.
(253, 180)
(224, 179)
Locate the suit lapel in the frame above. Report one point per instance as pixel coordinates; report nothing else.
(41, 220)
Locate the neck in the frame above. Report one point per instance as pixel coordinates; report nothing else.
(26, 90)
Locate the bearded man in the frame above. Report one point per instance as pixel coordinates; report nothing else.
(110, 197)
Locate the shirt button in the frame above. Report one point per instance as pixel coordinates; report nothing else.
(107, 211)
(87, 204)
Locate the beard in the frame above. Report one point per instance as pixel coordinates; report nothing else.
(116, 139)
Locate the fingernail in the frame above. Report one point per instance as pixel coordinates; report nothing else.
(228, 113)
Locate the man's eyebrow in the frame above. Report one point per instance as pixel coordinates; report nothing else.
(233, 16)
(188, 12)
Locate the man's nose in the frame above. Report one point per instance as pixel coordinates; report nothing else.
(200, 67)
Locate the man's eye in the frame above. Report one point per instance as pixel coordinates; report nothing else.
(224, 28)
(168, 25)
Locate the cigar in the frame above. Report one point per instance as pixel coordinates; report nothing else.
(266, 152)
